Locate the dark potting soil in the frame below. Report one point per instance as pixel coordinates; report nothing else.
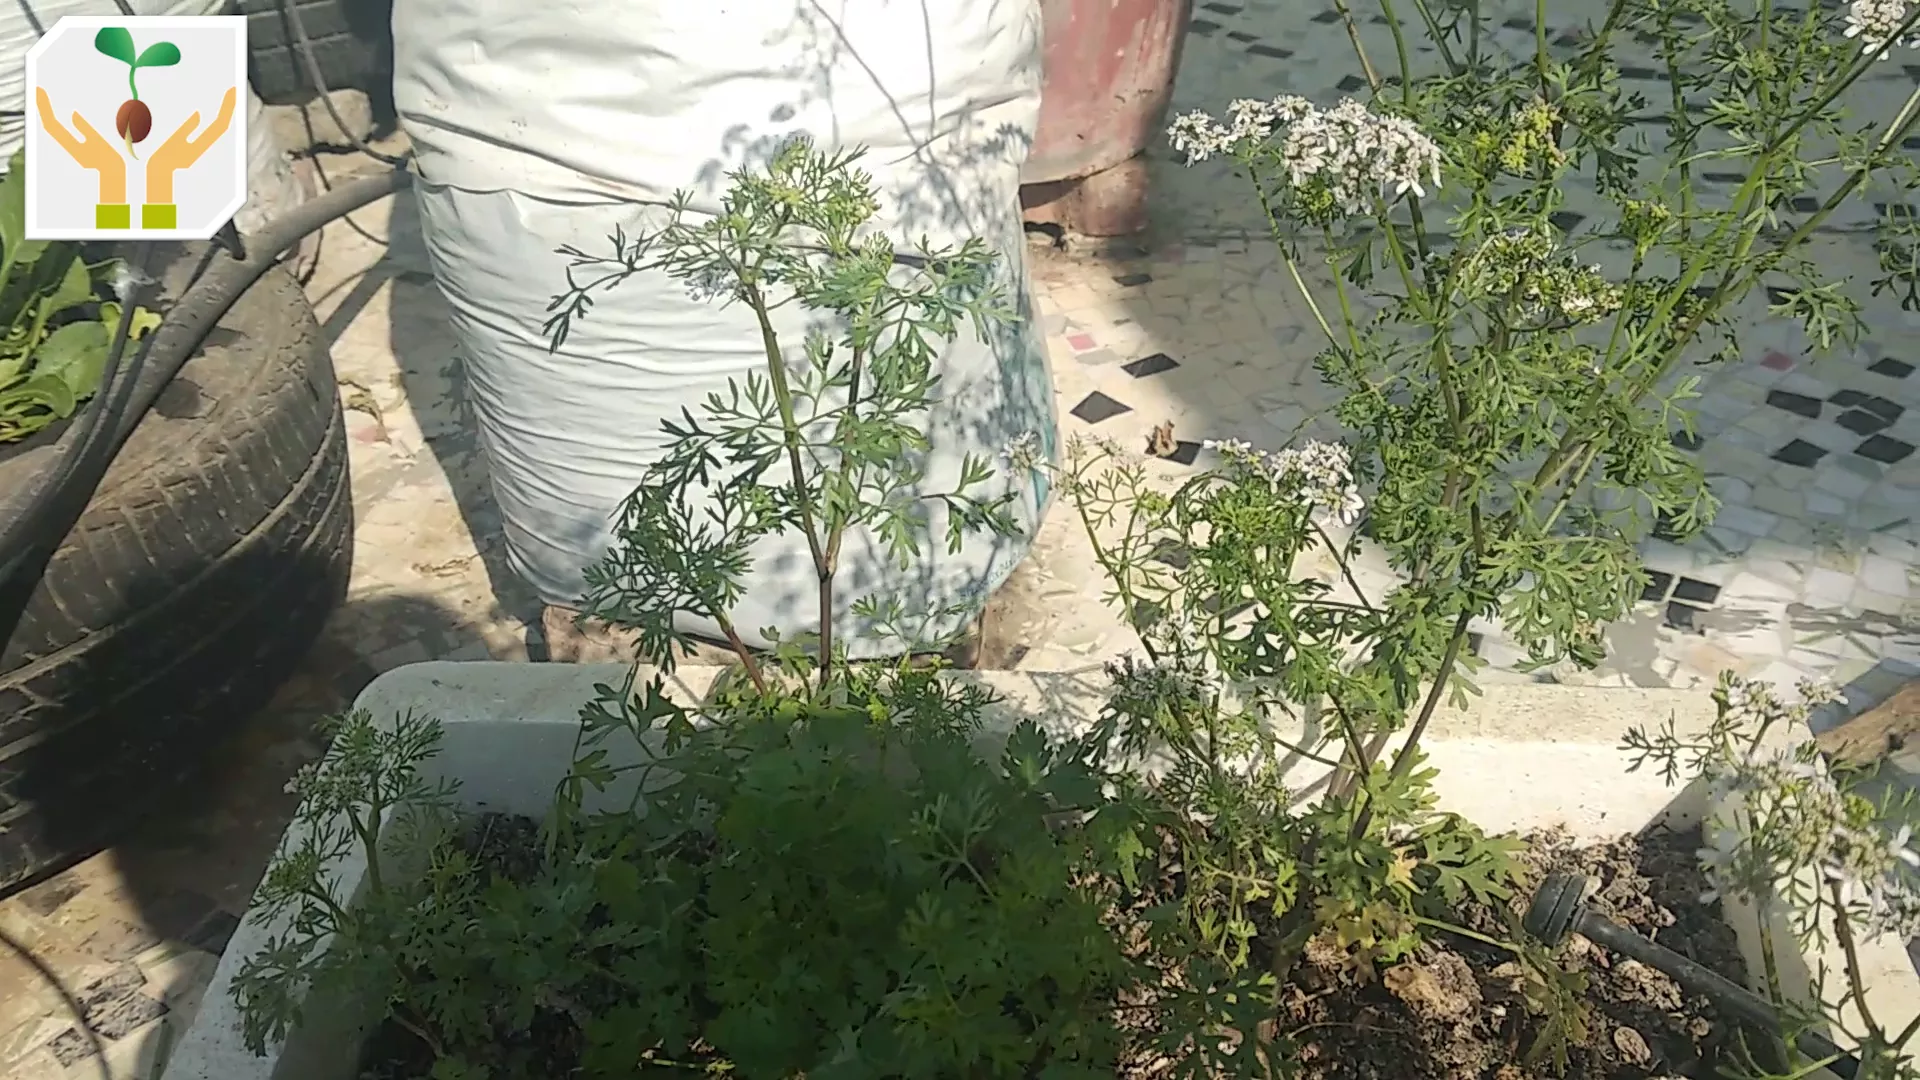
(1460, 1010)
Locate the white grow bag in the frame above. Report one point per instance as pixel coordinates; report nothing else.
(537, 126)
(271, 186)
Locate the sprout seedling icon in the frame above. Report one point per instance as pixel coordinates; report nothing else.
(134, 121)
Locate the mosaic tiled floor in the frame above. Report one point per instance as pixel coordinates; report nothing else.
(1808, 569)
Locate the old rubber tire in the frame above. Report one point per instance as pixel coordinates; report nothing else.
(199, 576)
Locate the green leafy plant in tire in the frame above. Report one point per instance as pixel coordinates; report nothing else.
(55, 328)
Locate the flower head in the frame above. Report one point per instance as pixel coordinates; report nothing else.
(1876, 22)
(1023, 453)
(1321, 473)
(1337, 159)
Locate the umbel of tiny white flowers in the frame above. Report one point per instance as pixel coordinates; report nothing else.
(1798, 817)
(1321, 473)
(1023, 453)
(1875, 22)
(1351, 152)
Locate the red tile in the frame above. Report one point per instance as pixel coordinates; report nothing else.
(1777, 361)
(1082, 342)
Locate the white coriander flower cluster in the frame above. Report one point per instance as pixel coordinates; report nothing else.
(1023, 453)
(1136, 681)
(1321, 473)
(1797, 817)
(1354, 153)
(1345, 156)
(1876, 23)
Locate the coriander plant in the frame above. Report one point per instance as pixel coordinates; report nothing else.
(1821, 848)
(827, 877)
(1512, 380)
(823, 440)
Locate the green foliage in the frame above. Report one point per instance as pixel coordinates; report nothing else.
(58, 330)
(117, 42)
(810, 892)
(824, 441)
(828, 879)
(820, 872)
(1511, 382)
(1822, 847)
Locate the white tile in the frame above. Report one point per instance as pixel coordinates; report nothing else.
(1843, 483)
(1828, 588)
(1821, 504)
(1750, 586)
(1884, 575)
(1745, 519)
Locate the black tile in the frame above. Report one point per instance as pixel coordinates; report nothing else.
(1097, 407)
(1327, 17)
(1884, 448)
(1687, 440)
(51, 895)
(1663, 529)
(1203, 27)
(1566, 220)
(1911, 142)
(1150, 365)
(1860, 422)
(1723, 177)
(1567, 40)
(1184, 452)
(113, 1007)
(1799, 452)
(1800, 404)
(1269, 50)
(1223, 9)
(1898, 369)
(70, 1048)
(214, 934)
(1696, 592)
(1658, 582)
(1889, 411)
(1804, 204)
(1172, 554)
(1130, 280)
(1646, 73)
(1896, 211)
(1847, 399)
(1680, 616)
(175, 914)
(1242, 36)
(122, 1013)
(1350, 84)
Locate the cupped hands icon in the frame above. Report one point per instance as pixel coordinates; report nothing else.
(93, 152)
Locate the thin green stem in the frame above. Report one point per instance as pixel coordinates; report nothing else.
(1542, 66)
(1843, 933)
(1400, 50)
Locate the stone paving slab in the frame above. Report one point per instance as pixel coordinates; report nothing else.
(1809, 569)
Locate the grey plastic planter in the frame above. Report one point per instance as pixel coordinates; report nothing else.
(1517, 758)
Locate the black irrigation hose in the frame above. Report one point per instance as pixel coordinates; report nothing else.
(1560, 908)
(35, 533)
(304, 48)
